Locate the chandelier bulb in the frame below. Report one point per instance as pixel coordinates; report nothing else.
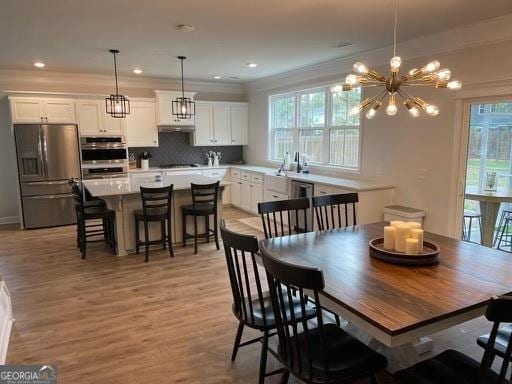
(360, 68)
(395, 63)
(414, 112)
(431, 110)
(391, 109)
(454, 85)
(355, 110)
(352, 79)
(444, 74)
(336, 89)
(371, 113)
(431, 67)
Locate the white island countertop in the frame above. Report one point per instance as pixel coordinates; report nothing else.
(126, 186)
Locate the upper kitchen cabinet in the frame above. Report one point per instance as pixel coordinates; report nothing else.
(42, 110)
(221, 123)
(141, 127)
(164, 108)
(94, 121)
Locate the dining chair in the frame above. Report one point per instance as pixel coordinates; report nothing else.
(156, 207)
(332, 211)
(252, 305)
(204, 204)
(316, 352)
(454, 367)
(284, 217)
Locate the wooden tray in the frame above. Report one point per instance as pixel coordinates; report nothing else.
(429, 256)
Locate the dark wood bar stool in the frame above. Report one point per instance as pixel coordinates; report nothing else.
(331, 211)
(284, 217)
(204, 204)
(317, 352)
(156, 207)
(252, 305)
(93, 221)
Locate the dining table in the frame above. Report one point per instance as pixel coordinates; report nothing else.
(395, 305)
(490, 202)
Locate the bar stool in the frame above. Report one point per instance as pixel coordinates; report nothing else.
(504, 213)
(204, 203)
(95, 213)
(466, 232)
(156, 207)
(505, 236)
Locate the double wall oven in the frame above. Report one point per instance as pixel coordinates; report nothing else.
(104, 157)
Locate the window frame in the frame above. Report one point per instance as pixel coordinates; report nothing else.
(326, 129)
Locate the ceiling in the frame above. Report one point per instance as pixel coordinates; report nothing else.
(279, 35)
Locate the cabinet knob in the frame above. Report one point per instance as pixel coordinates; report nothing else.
(42, 119)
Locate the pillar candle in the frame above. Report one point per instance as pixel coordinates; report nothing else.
(402, 233)
(411, 246)
(418, 235)
(396, 223)
(413, 225)
(389, 238)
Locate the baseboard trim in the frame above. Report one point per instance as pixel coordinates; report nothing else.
(9, 220)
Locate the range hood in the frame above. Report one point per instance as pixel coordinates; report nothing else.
(175, 128)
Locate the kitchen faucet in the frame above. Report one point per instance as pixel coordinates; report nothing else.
(297, 159)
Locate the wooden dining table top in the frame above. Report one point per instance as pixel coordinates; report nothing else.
(394, 298)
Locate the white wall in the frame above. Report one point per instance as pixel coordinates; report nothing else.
(413, 154)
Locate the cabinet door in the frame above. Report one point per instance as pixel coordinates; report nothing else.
(141, 129)
(239, 124)
(245, 195)
(203, 134)
(322, 189)
(256, 196)
(113, 125)
(90, 117)
(221, 124)
(26, 110)
(236, 189)
(59, 111)
(164, 110)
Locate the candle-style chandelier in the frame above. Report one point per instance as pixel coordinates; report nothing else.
(430, 75)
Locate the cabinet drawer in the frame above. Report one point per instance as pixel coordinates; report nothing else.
(322, 189)
(235, 174)
(257, 178)
(215, 173)
(246, 176)
(176, 173)
(275, 196)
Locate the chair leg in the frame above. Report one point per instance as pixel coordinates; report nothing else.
(469, 229)
(480, 228)
(502, 217)
(184, 229)
(83, 237)
(216, 230)
(169, 238)
(207, 225)
(285, 377)
(373, 379)
(263, 359)
(195, 234)
(163, 234)
(137, 236)
(337, 318)
(238, 337)
(146, 240)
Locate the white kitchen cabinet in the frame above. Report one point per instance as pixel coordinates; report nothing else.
(42, 110)
(221, 124)
(6, 320)
(164, 101)
(141, 128)
(221, 175)
(275, 196)
(183, 172)
(144, 177)
(94, 121)
(236, 190)
(256, 196)
(204, 124)
(239, 115)
(322, 189)
(246, 189)
(245, 196)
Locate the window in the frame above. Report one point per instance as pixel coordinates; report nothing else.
(481, 109)
(317, 123)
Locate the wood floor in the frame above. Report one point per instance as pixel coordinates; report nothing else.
(110, 319)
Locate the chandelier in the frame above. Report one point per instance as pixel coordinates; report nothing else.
(183, 107)
(117, 105)
(393, 87)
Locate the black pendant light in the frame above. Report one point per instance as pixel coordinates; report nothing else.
(117, 105)
(183, 107)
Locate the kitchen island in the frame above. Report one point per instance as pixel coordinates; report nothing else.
(123, 196)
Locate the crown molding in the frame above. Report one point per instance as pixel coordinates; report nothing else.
(48, 78)
(484, 32)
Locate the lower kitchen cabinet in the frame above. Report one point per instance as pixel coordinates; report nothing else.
(256, 196)
(245, 196)
(246, 190)
(236, 189)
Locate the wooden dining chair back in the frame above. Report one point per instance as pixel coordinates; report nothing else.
(205, 194)
(156, 200)
(315, 351)
(284, 217)
(335, 211)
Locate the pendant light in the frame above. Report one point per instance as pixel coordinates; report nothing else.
(117, 105)
(183, 107)
(393, 88)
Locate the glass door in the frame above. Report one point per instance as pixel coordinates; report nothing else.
(488, 199)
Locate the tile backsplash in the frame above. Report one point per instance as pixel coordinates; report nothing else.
(175, 148)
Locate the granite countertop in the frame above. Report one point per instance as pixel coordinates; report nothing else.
(125, 186)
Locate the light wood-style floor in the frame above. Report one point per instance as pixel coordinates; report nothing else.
(110, 319)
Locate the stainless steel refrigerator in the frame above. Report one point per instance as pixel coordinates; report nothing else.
(48, 156)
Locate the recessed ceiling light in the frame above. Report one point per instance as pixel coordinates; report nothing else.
(233, 77)
(341, 44)
(184, 27)
(137, 71)
(39, 64)
(252, 65)
(217, 77)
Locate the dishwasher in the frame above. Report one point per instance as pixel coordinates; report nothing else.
(302, 189)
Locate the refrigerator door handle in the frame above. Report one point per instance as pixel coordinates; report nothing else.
(43, 153)
(47, 182)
